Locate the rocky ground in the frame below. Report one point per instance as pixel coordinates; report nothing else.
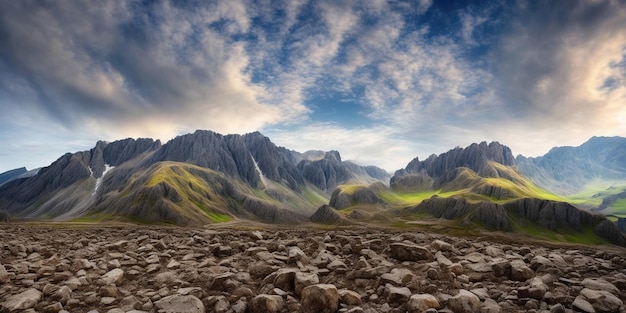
(56, 268)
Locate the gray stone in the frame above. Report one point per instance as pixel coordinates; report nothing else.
(397, 294)
(410, 252)
(600, 284)
(440, 245)
(179, 304)
(113, 277)
(602, 300)
(349, 297)
(25, 300)
(583, 305)
(303, 280)
(285, 278)
(421, 302)
(521, 272)
(490, 306)
(5, 276)
(266, 304)
(464, 302)
(320, 298)
(398, 276)
(296, 254)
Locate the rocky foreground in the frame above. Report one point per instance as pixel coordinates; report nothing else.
(136, 269)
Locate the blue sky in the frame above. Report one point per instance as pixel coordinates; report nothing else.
(380, 81)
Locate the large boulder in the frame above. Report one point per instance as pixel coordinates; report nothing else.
(464, 302)
(410, 252)
(320, 298)
(25, 300)
(179, 304)
(266, 304)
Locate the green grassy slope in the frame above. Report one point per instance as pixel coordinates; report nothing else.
(508, 184)
(182, 193)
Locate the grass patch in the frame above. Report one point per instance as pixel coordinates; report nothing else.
(594, 192)
(219, 218)
(414, 198)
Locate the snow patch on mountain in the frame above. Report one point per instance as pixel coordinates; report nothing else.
(258, 170)
(107, 168)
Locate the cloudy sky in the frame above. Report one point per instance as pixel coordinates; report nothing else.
(380, 81)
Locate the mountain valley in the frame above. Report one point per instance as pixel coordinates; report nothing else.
(207, 178)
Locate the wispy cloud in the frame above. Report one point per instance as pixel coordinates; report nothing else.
(420, 76)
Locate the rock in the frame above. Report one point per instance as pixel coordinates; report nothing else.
(540, 261)
(25, 300)
(600, 284)
(397, 295)
(63, 294)
(501, 267)
(537, 289)
(464, 302)
(166, 278)
(320, 298)
(583, 305)
(601, 300)
(285, 279)
(421, 302)
(303, 280)
(440, 245)
(266, 304)
(295, 254)
(108, 291)
(349, 297)
(173, 264)
(490, 306)
(410, 252)
(179, 304)
(557, 308)
(107, 300)
(494, 252)
(398, 276)
(53, 308)
(113, 277)
(5, 276)
(521, 272)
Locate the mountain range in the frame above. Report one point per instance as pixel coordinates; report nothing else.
(205, 177)
(196, 178)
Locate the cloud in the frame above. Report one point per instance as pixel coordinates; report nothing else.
(366, 146)
(121, 66)
(568, 77)
(415, 77)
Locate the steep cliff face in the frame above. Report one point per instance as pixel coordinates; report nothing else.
(225, 154)
(276, 163)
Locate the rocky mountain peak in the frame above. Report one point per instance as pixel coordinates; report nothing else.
(333, 156)
(473, 157)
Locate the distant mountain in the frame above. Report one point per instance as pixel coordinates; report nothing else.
(567, 170)
(196, 178)
(12, 174)
(479, 185)
(482, 167)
